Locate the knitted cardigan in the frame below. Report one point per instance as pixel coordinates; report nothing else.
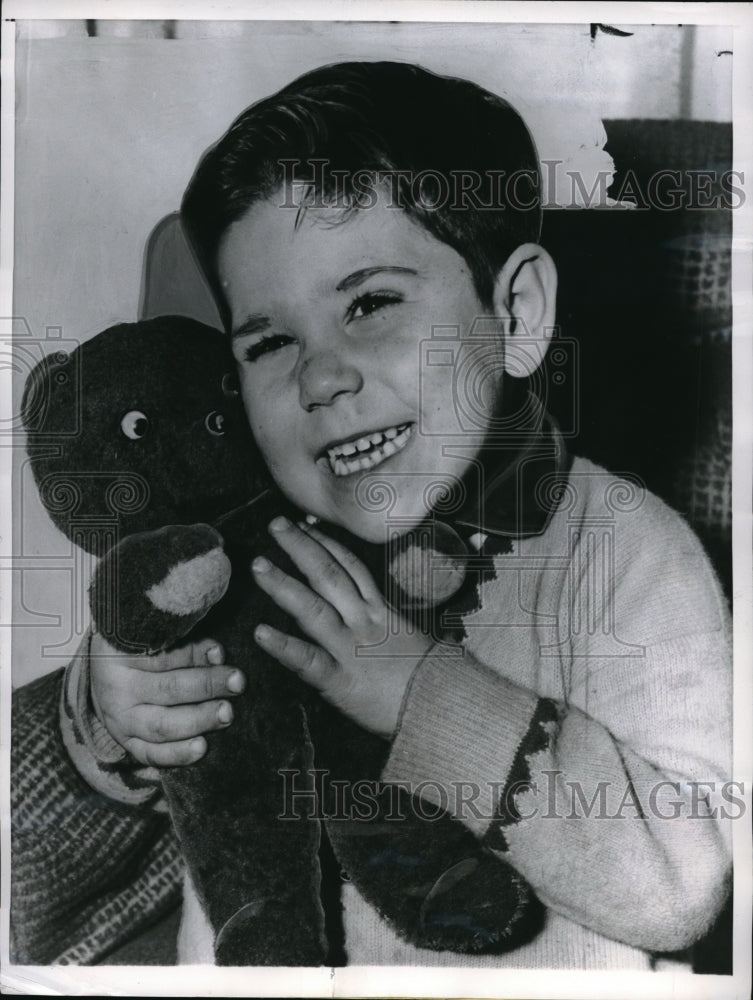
(581, 730)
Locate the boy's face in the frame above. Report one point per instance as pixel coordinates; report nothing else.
(328, 319)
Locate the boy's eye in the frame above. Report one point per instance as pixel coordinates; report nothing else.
(265, 345)
(368, 303)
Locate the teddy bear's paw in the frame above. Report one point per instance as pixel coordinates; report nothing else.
(478, 906)
(426, 567)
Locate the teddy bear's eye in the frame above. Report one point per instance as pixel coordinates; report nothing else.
(215, 423)
(134, 424)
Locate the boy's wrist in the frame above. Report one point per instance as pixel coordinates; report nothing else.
(100, 760)
(436, 649)
(85, 726)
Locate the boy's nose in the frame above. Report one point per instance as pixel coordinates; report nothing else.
(324, 377)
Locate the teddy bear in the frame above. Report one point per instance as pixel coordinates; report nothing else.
(165, 472)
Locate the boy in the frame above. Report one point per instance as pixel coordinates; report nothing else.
(577, 724)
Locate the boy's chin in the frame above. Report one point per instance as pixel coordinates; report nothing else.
(375, 531)
(375, 511)
(378, 528)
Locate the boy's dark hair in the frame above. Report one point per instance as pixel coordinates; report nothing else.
(338, 125)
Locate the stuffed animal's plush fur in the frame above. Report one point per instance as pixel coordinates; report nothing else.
(165, 474)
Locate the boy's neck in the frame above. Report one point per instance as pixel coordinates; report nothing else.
(515, 482)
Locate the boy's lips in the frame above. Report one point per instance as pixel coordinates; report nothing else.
(366, 451)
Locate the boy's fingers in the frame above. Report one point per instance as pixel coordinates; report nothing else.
(324, 572)
(192, 654)
(155, 724)
(166, 754)
(193, 684)
(310, 662)
(310, 610)
(349, 561)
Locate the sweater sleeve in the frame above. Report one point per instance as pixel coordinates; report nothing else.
(611, 797)
(99, 759)
(87, 872)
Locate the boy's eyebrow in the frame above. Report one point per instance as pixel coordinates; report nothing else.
(257, 323)
(358, 277)
(251, 324)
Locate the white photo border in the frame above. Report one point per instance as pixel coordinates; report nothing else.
(419, 981)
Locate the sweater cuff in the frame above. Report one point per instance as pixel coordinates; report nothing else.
(446, 752)
(102, 762)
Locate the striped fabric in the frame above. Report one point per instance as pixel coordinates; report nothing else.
(86, 872)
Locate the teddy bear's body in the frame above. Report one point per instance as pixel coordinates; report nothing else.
(158, 417)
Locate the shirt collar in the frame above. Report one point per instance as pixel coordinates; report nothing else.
(516, 485)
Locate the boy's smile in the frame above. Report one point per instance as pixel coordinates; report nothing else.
(329, 315)
(368, 451)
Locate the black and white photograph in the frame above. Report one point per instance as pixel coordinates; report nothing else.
(377, 587)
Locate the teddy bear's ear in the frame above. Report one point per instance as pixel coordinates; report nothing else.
(426, 567)
(53, 378)
(34, 400)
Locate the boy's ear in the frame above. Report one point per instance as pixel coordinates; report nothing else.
(525, 302)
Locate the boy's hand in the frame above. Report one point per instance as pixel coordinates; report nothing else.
(341, 611)
(156, 707)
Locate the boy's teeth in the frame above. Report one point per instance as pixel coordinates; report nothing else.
(368, 451)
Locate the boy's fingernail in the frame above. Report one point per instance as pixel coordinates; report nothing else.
(262, 632)
(236, 682)
(261, 565)
(225, 713)
(279, 524)
(198, 746)
(214, 655)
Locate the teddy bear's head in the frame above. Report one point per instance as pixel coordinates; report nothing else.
(159, 435)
